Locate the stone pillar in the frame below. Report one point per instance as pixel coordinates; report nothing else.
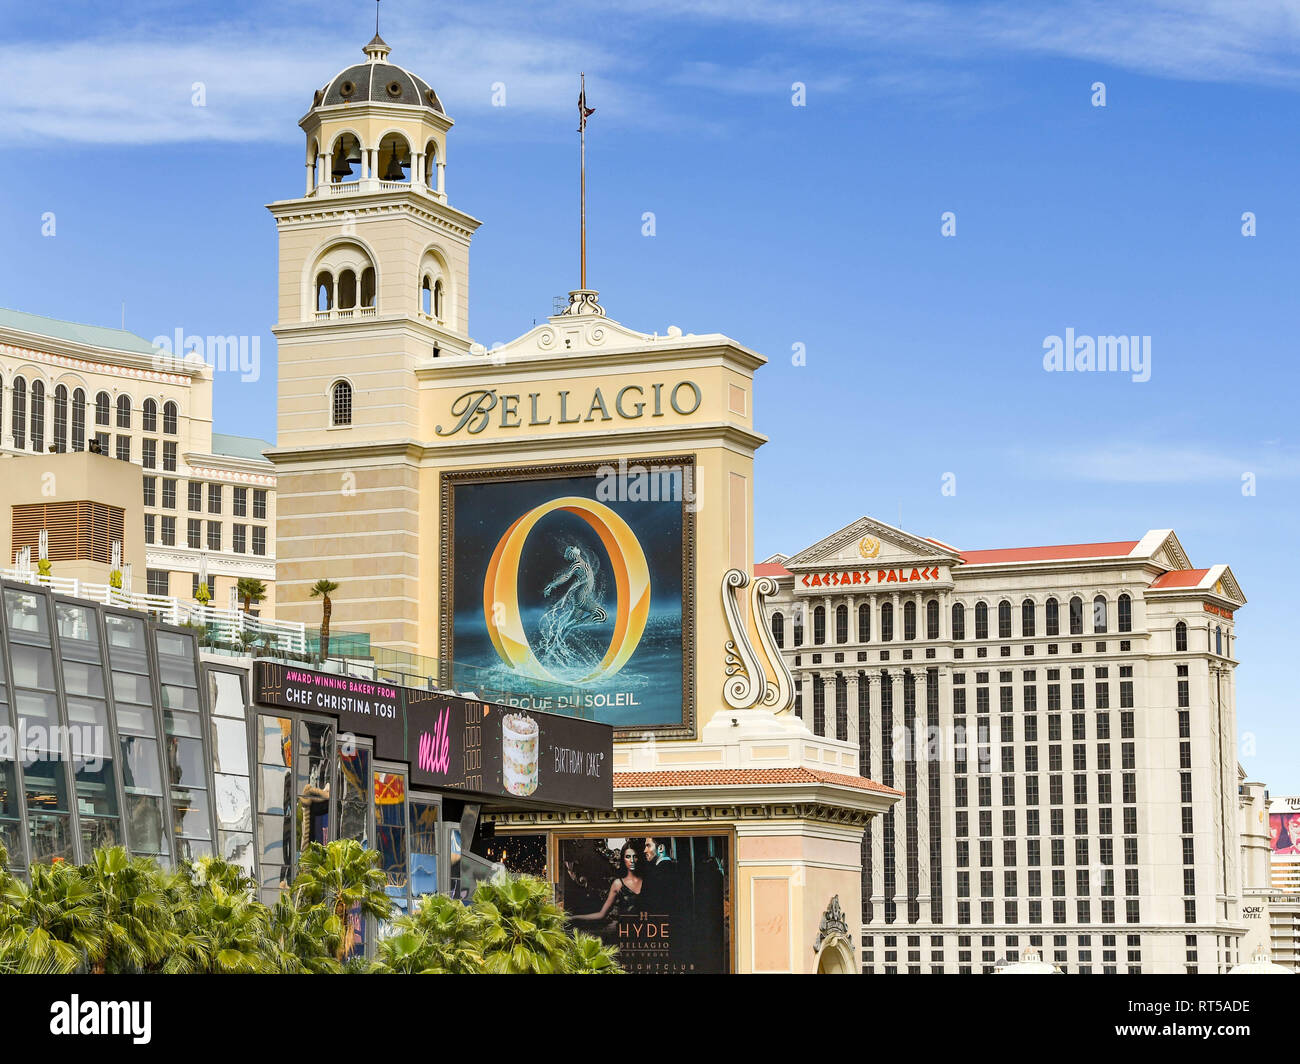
(442, 170)
(851, 684)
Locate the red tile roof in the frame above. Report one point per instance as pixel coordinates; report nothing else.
(1179, 578)
(1064, 552)
(732, 777)
(770, 569)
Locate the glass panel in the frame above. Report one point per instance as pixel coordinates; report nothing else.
(80, 678)
(315, 766)
(193, 849)
(135, 720)
(273, 742)
(354, 795)
(234, 803)
(190, 813)
(46, 785)
(129, 687)
(229, 746)
(96, 788)
(226, 693)
(140, 771)
(32, 667)
(97, 833)
(424, 848)
(144, 822)
(124, 633)
(237, 848)
(25, 612)
(390, 829)
(11, 838)
(181, 676)
(186, 724)
(176, 645)
(78, 631)
(9, 809)
(51, 836)
(38, 716)
(274, 836)
(88, 713)
(273, 793)
(185, 763)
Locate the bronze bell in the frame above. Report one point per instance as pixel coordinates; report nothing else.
(394, 170)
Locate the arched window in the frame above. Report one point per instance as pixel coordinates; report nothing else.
(394, 158)
(149, 416)
(38, 415)
(368, 287)
(437, 299)
(123, 411)
(958, 621)
(864, 623)
(819, 625)
(887, 622)
(324, 292)
(347, 290)
(1053, 610)
(1004, 619)
(60, 419)
(778, 630)
(932, 619)
(841, 708)
(819, 705)
(78, 420)
(345, 154)
(1099, 615)
(796, 622)
(1027, 618)
(169, 418)
(1180, 636)
(102, 405)
(20, 413)
(841, 624)
(426, 296)
(1076, 616)
(909, 619)
(431, 166)
(981, 620)
(1218, 641)
(341, 403)
(1125, 614)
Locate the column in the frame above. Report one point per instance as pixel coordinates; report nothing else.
(442, 168)
(851, 684)
(417, 168)
(311, 177)
(327, 167)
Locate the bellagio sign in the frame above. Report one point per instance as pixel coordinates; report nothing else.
(850, 577)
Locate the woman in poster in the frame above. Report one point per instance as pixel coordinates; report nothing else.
(625, 892)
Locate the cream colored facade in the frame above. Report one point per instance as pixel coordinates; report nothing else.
(383, 395)
(1270, 904)
(66, 385)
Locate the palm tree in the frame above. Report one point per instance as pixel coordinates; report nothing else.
(452, 933)
(137, 919)
(250, 591)
(322, 590)
(523, 929)
(587, 955)
(53, 922)
(343, 877)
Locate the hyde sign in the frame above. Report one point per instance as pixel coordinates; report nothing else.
(850, 577)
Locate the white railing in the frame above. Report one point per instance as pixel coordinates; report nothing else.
(347, 189)
(229, 626)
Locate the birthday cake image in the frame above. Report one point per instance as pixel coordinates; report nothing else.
(519, 753)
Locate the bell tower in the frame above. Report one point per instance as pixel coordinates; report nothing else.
(373, 285)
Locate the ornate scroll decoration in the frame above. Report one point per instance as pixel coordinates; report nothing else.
(833, 923)
(779, 696)
(747, 686)
(584, 301)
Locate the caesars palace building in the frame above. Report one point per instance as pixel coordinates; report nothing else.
(1062, 721)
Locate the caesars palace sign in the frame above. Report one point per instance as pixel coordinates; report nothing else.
(475, 410)
(850, 577)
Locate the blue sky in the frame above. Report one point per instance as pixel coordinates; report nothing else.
(779, 225)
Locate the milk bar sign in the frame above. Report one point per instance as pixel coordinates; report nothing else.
(849, 577)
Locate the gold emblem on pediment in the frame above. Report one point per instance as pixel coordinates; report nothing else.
(869, 547)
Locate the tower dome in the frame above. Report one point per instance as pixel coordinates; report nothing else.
(377, 81)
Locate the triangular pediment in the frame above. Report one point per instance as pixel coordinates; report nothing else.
(1165, 550)
(1225, 585)
(870, 542)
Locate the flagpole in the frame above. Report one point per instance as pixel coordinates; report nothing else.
(582, 135)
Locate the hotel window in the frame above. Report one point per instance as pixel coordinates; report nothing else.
(124, 448)
(981, 620)
(150, 491)
(149, 528)
(1099, 615)
(156, 581)
(239, 502)
(195, 499)
(778, 622)
(259, 503)
(214, 535)
(194, 534)
(1053, 610)
(60, 419)
(169, 456)
(341, 403)
(169, 493)
(239, 536)
(1180, 636)
(797, 624)
(1004, 619)
(909, 620)
(958, 621)
(102, 407)
(214, 498)
(149, 416)
(1027, 618)
(148, 453)
(38, 415)
(887, 622)
(1184, 688)
(1218, 641)
(819, 625)
(101, 443)
(169, 531)
(20, 412)
(1076, 616)
(169, 419)
(932, 619)
(841, 709)
(78, 420)
(259, 540)
(841, 624)
(123, 411)
(1125, 607)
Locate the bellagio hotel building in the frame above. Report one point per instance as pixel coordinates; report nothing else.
(1062, 721)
